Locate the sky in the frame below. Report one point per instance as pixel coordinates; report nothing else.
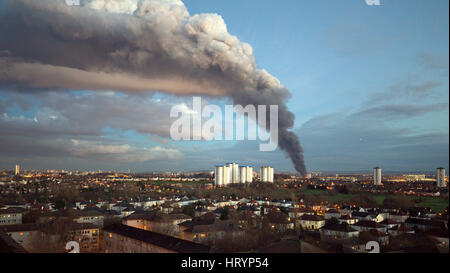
(369, 85)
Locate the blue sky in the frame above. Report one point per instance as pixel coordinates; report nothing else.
(369, 87)
(338, 51)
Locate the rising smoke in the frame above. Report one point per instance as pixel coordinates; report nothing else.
(135, 46)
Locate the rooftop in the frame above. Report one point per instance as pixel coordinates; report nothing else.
(161, 240)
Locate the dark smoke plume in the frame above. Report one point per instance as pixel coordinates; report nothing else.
(135, 46)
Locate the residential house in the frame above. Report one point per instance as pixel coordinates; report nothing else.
(332, 213)
(280, 221)
(365, 225)
(338, 232)
(92, 216)
(350, 220)
(299, 211)
(310, 222)
(157, 222)
(400, 230)
(389, 223)
(375, 235)
(424, 224)
(209, 229)
(398, 216)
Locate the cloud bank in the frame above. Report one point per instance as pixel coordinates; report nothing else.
(135, 46)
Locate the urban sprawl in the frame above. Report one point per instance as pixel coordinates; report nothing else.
(232, 208)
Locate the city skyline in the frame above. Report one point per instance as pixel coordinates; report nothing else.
(211, 170)
(368, 84)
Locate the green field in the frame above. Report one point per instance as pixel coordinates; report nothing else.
(190, 183)
(437, 204)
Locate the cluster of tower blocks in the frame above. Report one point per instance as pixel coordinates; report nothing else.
(232, 173)
(440, 177)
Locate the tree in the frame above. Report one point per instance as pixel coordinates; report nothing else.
(284, 210)
(343, 189)
(398, 203)
(60, 204)
(331, 222)
(189, 210)
(53, 236)
(67, 192)
(364, 200)
(224, 215)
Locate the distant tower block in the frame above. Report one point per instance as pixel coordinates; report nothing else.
(243, 174)
(249, 175)
(236, 176)
(17, 171)
(440, 177)
(263, 174)
(266, 174)
(377, 176)
(219, 176)
(270, 174)
(227, 174)
(231, 173)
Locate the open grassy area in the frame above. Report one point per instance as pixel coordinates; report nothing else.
(190, 183)
(437, 204)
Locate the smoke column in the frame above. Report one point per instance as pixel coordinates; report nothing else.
(135, 46)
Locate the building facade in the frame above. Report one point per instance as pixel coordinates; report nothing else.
(232, 173)
(266, 174)
(377, 176)
(120, 238)
(440, 177)
(10, 216)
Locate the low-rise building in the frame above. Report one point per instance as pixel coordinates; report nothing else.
(347, 219)
(90, 217)
(424, 224)
(23, 234)
(338, 232)
(310, 222)
(280, 221)
(157, 222)
(298, 212)
(217, 230)
(120, 238)
(398, 216)
(8, 245)
(11, 216)
(87, 235)
(368, 225)
(332, 213)
(400, 230)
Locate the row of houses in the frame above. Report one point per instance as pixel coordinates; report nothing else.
(205, 225)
